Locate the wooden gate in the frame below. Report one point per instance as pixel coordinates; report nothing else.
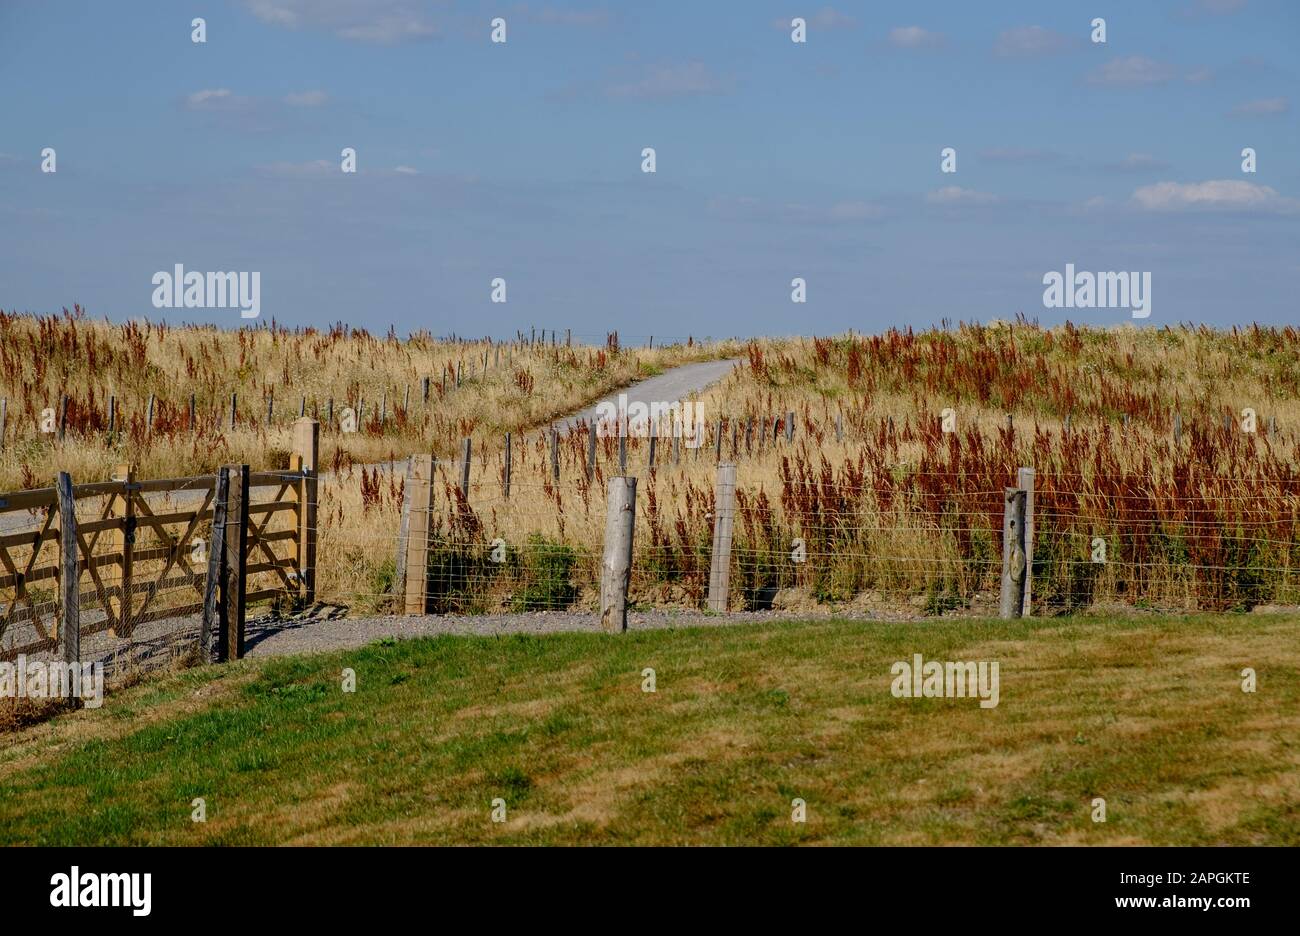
(138, 561)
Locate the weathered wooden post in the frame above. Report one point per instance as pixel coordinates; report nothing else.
(1013, 554)
(302, 407)
(1025, 481)
(616, 568)
(270, 405)
(193, 412)
(654, 441)
(424, 389)
(622, 450)
(505, 478)
(230, 641)
(124, 542)
(234, 400)
(749, 435)
(466, 457)
(555, 455)
(329, 416)
(839, 427)
(724, 513)
(306, 444)
(1178, 428)
(677, 444)
(69, 633)
(717, 442)
(591, 450)
(216, 567)
(419, 495)
(789, 427)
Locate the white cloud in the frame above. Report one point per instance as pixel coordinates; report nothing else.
(956, 195)
(405, 170)
(660, 81)
(913, 37)
(1214, 195)
(377, 21)
(1266, 107)
(830, 18)
(212, 99)
(1133, 71)
(306, 99)
(827, 18)
(1029, 42)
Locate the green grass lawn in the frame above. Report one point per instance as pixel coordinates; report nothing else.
(1147, 713)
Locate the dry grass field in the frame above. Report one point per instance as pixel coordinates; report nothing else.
(1170, 452)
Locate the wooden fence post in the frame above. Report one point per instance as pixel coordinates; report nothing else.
(112, 416)
(616, 569)
(677, 444)
(418, 495)
(622, 450)
(306, 443)
(69, 633)
(789, 427)
(1178, 428)
(230, 644)
(555, 454)
(654, 441)
(717, 442)
(466, 457)
(509, 457)
(591, 450)
(125, 539)
(1025, 481)
(193, 412)
(234, 400)
(724, 512)
(1013, 554)
(216, 566)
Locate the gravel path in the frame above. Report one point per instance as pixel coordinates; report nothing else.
(278, 637)
(672, 386)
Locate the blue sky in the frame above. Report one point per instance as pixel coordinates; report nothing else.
(774, 160)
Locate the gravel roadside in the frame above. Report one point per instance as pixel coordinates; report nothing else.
(278, 637)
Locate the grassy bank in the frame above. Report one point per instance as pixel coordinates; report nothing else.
(1147, 713)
